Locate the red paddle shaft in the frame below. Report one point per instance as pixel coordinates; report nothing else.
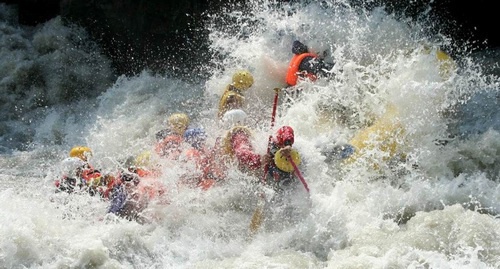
(273, 117)
(299, 175)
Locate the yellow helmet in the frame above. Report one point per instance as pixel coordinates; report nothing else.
(80, 152)
(283, 163)
(242, 80)
(178, 123)
(143, 159)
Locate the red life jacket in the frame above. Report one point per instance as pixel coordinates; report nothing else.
(215, 169)
(91, 176)
(244, 152)
(169, 147)
(293, 68)
(195, 155)
(204, 163)
(206, 184)
(150, 188)
(110, 184)
(141, 172)
(86, 176)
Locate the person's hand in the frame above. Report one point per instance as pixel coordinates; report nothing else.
(266, 159)
(286, 151)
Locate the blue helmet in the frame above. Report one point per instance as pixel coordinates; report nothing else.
(195, 136)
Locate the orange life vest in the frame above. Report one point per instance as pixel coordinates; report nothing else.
(293, 68)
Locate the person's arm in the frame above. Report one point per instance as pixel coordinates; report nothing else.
(243, 151)
(118, 198)
(315, 66)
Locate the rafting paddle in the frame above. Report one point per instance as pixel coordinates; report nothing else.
(258, 214)
(299, 174)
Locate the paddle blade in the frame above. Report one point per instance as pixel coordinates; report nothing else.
(257, 219)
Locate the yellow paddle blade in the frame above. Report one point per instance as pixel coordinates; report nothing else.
(282, 162)
(257, 218)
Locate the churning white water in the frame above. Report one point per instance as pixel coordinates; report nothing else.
(435, 204)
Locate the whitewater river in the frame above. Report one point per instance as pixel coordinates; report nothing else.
(432, 203)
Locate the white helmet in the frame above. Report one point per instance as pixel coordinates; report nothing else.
(234, 117)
